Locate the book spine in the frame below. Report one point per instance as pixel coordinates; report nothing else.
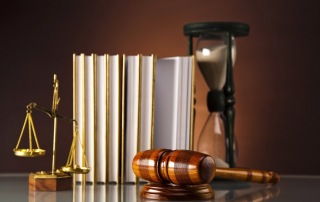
(89, 105)
(79, 112)
(192, 102)
(114, 111)
(147, 97)
(132, 114)
(74, 99)
(114, 105)
(101, 118)
(107, 121)
(122, 148)
(153, 105)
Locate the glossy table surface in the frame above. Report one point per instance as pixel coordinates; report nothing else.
(14, 187)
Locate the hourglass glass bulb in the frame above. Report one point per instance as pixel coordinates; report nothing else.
(211, 56)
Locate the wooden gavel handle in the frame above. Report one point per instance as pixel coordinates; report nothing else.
(249, 175)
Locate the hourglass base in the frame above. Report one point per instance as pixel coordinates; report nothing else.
(157, 191)
(47, 181)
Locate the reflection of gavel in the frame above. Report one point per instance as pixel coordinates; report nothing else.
(183, 167)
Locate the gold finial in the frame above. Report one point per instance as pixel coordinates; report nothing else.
(56, 99)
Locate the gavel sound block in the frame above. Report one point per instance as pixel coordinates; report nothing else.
(182, 169)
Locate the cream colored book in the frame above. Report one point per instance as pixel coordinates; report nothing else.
(147, 97)
(132, 114)
(78, 113)
(114, 103)
(174, 103)
(139, 109)
(115, 115)
(102, 114)
(90, 114)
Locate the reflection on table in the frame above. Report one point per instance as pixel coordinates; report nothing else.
(14, 188)
(84, 192)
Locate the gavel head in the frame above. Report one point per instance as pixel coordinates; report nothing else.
(181, 167)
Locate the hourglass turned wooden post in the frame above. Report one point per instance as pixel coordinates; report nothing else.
(231, 29)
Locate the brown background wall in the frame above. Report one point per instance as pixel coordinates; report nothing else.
(276, 72)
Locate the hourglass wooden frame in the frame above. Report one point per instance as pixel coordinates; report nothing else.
(56, 179)
(232, 29)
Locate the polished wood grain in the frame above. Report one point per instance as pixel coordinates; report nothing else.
(179, 167)
(249, 175)
(49, 182)
(158, 191)
(184, 167)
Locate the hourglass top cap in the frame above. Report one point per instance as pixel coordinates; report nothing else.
(180, 167)
(235, 28)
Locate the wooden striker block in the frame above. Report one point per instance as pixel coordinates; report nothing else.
(43, 181)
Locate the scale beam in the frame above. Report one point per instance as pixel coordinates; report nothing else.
(56, 179)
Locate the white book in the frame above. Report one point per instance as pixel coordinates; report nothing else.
(147, 96)
(102, 101)
(78, 74)
(114, 122)
(174, 103)
(115, 106)
(132, 116)
(90, 113)
(139, 109)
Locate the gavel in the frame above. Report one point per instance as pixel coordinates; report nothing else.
(184, 167)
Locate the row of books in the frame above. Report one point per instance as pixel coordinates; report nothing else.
(124, 104)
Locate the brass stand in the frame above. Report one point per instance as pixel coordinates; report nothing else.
(57, 179)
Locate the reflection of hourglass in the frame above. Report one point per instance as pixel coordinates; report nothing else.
(215, 55)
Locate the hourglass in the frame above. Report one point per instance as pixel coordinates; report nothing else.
(56, 179)
(215, 54)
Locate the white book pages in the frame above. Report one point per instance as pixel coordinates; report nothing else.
(166, 104)
(132, 115)
(79, 110)
(102, 113)
(182, 103)
(89, 79)
(186, 102)
(174, 101)
(147, 102)
(189, 119)
(114, 119)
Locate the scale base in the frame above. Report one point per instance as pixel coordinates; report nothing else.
(155, 191)
(47, 181)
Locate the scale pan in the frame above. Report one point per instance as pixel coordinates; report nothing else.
(29, 152)
(75, 169)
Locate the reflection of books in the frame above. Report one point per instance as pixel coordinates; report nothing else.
(119, 101)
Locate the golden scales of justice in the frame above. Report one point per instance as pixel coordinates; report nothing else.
(56, 179)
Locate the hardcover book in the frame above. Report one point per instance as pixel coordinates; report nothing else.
(124, 104)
